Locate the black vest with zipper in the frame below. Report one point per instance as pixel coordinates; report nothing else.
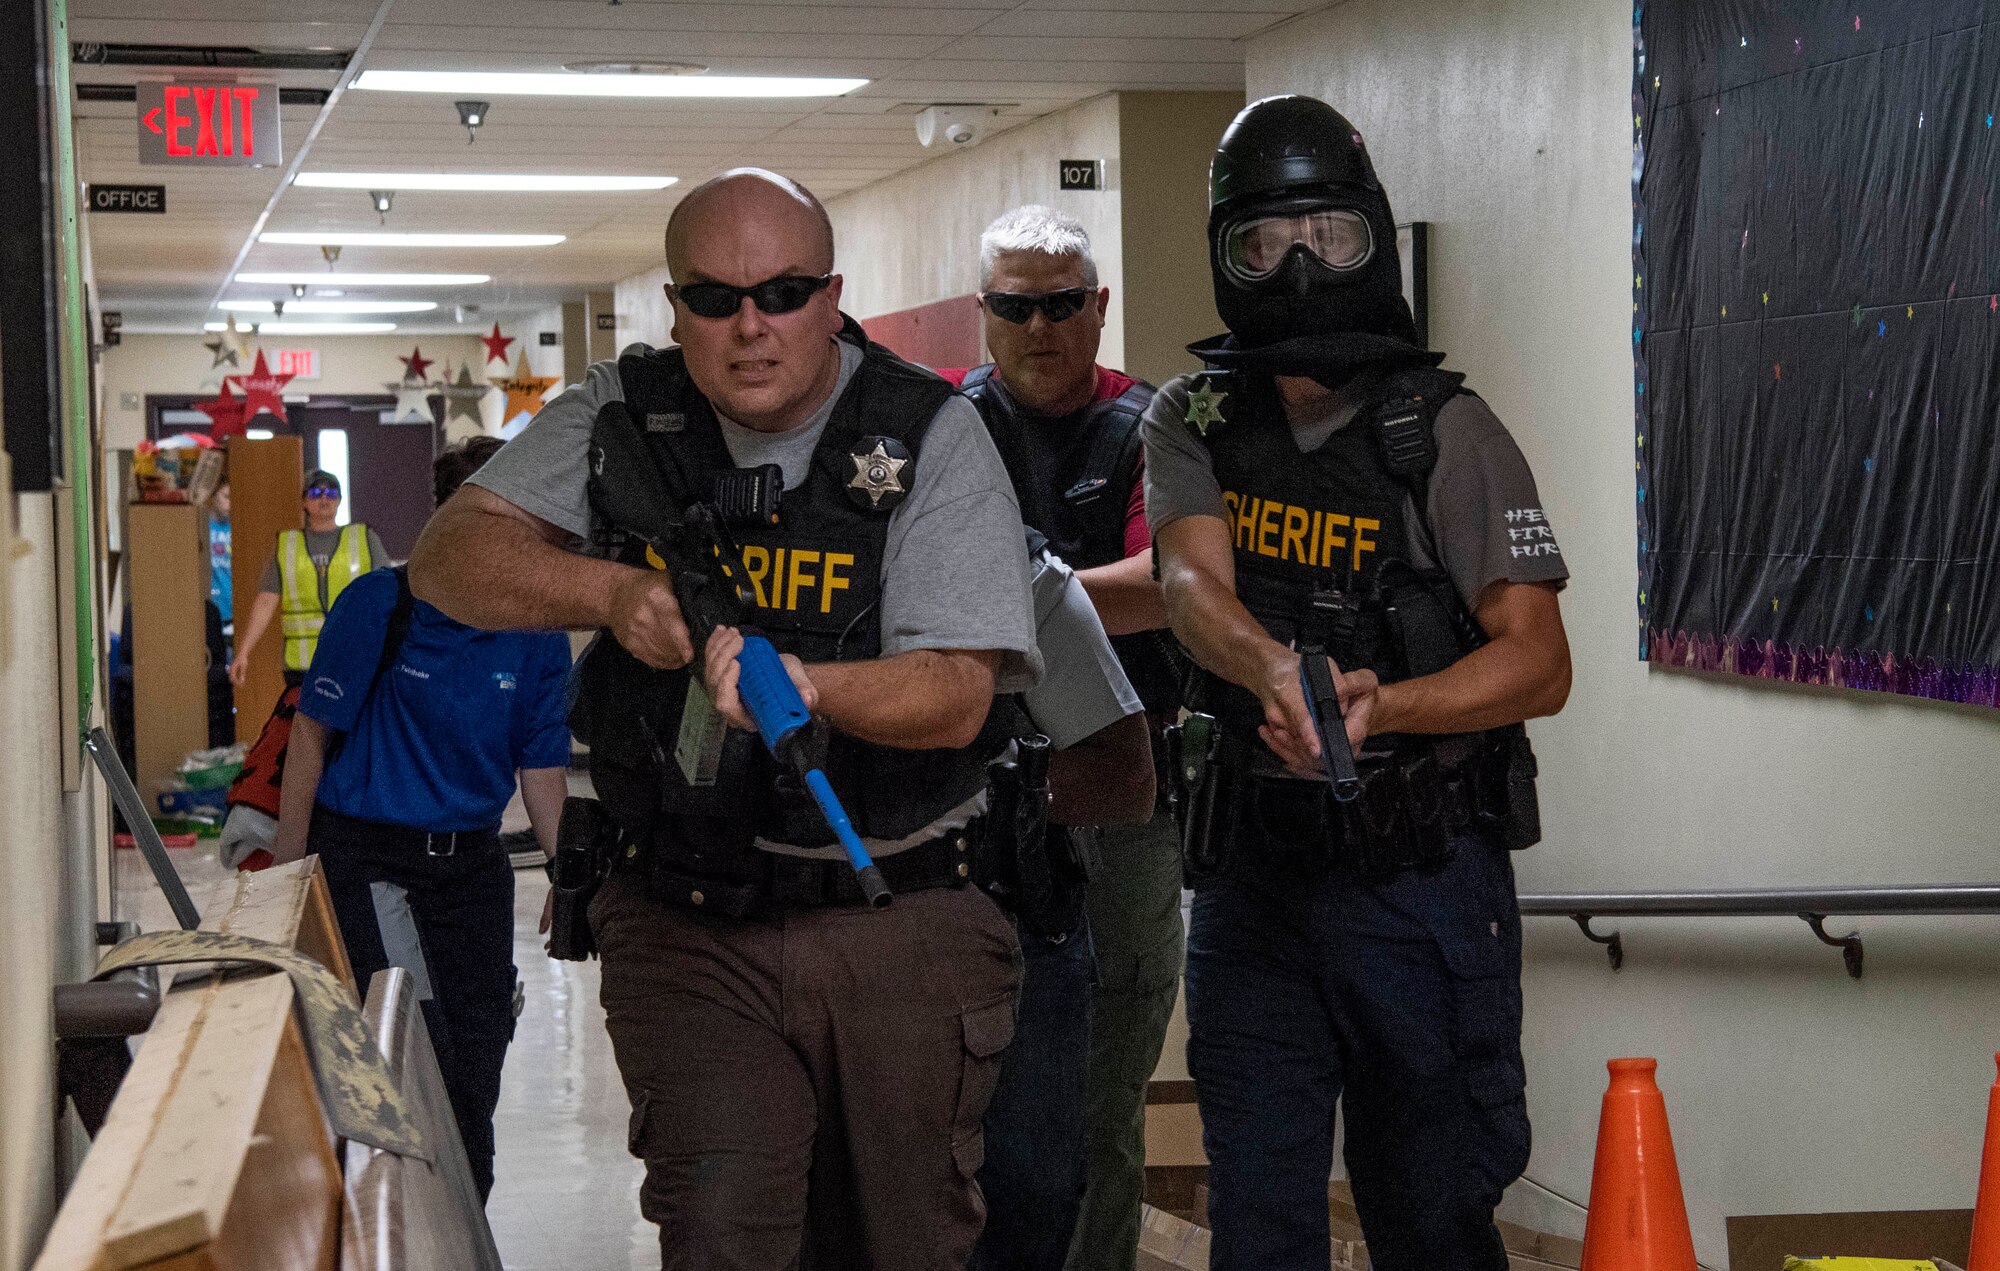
(817, 582)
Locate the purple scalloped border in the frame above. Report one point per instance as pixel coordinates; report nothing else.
(1868, 672)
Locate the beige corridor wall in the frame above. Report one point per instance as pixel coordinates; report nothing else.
(914, 238)
(1506, 123)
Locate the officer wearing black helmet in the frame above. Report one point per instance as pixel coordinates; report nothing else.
(1324, 498)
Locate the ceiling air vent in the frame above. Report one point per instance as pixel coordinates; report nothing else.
(190, 55)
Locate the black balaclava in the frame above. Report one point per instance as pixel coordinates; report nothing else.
(1286, 154)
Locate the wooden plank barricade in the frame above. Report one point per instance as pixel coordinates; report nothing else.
(217, 1155)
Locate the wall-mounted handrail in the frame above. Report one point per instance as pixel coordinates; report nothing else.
(1811, 905)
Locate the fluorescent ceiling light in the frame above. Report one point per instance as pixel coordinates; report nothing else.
(367, 280)
(318, 238)
(555, 84)
(330, 306)
(522, 183)
(314, 328)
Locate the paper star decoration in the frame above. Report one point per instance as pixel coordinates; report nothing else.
(415, 365)
(225, 411)
(496, 345)
(412, 401)
(462, 396)
(877, 473)
(261, 389)
(1204, 408)
(524, 390)
(221, 350)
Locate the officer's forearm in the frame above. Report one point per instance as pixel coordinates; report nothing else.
(1522, 673)
(489, 564)
(1197, 578)
(1105, 779)
(1125, 595)
(927, 699)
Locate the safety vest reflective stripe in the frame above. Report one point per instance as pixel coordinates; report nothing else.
(299, 605)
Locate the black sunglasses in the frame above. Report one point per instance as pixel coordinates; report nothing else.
(1017, 307)
(782, 294)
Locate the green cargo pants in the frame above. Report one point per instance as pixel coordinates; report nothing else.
(1135, 924)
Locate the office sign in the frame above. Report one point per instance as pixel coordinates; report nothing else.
(209, 123)
(128, 198)
(300, 364)
(1080, 174)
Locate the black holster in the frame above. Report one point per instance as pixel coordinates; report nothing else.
(1204, 789)
(586, 839)
(1034, 870)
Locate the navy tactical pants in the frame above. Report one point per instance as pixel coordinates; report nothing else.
(1033, 1174)
(1400, 1000)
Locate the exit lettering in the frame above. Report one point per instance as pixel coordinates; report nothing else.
(208, 123)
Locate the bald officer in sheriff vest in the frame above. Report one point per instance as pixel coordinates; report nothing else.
(305, 576)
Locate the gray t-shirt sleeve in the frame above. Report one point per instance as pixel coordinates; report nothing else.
(1083, 687)
(378, 551)
(268, 580)
(955, 568)
(545, 471)
(1484, 509)
(1180, 479)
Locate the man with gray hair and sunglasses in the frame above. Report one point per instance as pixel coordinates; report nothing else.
(1068, 431)
(807, 1074)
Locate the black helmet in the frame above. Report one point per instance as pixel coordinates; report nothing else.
(1301, 240)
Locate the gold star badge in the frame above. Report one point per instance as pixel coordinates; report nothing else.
(1204, 408)
(877, 472)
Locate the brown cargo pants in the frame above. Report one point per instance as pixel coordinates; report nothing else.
(807, 1091)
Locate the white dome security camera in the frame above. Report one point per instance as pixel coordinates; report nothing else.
(959, 125)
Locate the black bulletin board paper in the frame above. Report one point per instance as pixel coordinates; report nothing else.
(1816, 341)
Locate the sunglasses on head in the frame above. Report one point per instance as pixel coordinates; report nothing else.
(782, 294)
(1017, 306)
(323, 492)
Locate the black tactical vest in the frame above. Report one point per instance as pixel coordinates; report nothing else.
(1334, 523)
(1074, 477)
(817, 581)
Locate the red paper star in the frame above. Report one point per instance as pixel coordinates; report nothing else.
(260, 389)
(225, 409)
(496, 345)
(416, 364)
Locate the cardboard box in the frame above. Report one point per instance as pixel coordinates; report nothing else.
(1763, 1242)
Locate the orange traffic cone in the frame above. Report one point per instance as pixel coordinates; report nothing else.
(1986, 1211)
(1638, 1219)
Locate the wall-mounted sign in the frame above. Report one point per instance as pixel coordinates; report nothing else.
(128, 198)
(607, 322)
(300, 364)
(548, 339)
(226, 123)
(1080, 174)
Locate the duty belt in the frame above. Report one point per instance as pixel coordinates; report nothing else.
(792, 882)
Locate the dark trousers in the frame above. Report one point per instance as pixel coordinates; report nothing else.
(449, 921)
(1033, 1175)
(1401, 1001)
(807, 1091)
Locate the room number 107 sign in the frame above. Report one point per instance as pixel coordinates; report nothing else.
(209, 123)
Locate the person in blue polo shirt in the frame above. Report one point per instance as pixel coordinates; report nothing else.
(403, 757)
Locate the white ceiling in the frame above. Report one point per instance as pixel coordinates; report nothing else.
(1037, 56)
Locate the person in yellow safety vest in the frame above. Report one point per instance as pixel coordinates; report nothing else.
(305, 575)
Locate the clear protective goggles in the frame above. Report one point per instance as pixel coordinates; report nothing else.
(1255, 247)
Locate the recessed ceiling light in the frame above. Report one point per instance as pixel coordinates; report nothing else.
(555, 84)
(330, 306)
(636, 68)
(367, 280)
(314, 328)
(383, 239)
(519, 183)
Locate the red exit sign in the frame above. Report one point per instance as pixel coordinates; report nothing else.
(300, 364)
(209, 122)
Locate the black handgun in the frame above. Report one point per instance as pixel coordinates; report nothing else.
(1323, 704)
(584, 837)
